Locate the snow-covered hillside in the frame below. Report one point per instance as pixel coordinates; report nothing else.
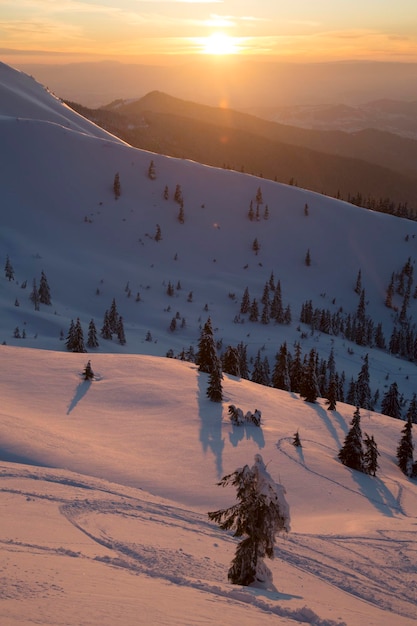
(60, 217)
(105, 522)
(106, 485)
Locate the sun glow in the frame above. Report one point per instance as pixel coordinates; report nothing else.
(220, 43)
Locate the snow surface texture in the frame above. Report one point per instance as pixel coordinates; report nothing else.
(105, 484)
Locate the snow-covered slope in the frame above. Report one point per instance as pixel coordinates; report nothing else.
(22, 97)
(106, 485)
(106, 522)
(60, 216)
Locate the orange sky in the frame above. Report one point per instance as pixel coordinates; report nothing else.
(74, 30)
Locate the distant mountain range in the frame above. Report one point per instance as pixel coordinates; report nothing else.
(393, 116)
(370, 162)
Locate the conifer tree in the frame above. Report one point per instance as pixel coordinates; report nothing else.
(181, 215)
(158, 233)
(88, 373)
(352, 397)
(258, 373)
(243, 360)
(113, 317)
(178, 194)
(332, 393)
(116, 186)
(412, 410)
(363, 390)
(309, 386)
(296, 369)
(231, 361)
(78, 337)
(120, 331)
(265, 319)
(261, 512)
(405, 449)
(371, 454)
(251, 213)
(390, 404)
(92, 341)
(44, 291)
(277, 311)
(259, 198)
(296, 442)
(8, 269)
(106, 331)
(151, 171)
(307, 259)
(281, 372)
(245, 304)
(70, 337)
(254, 311)
(34, 295)
(351, 453)
(206, 358)
(255, 246)
(215, 388)
(75, 337)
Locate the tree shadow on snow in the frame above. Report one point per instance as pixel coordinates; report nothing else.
(210, 414)
(247, 431)
(80, 392)
(325, 416)
(377, 493)
(10, 457)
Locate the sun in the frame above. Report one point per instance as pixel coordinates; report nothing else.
(220, 43)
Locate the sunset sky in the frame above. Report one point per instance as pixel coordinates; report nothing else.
(127, 30)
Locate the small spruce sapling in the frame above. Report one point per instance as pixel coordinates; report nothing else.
(296, 442)
(88, 373)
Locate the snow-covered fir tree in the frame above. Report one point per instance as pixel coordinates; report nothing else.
(260, 514)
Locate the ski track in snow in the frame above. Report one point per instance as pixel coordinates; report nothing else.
(89, 517)
(398, 507)
(388, 580)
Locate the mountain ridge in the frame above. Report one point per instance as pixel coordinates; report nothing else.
(371, 162)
